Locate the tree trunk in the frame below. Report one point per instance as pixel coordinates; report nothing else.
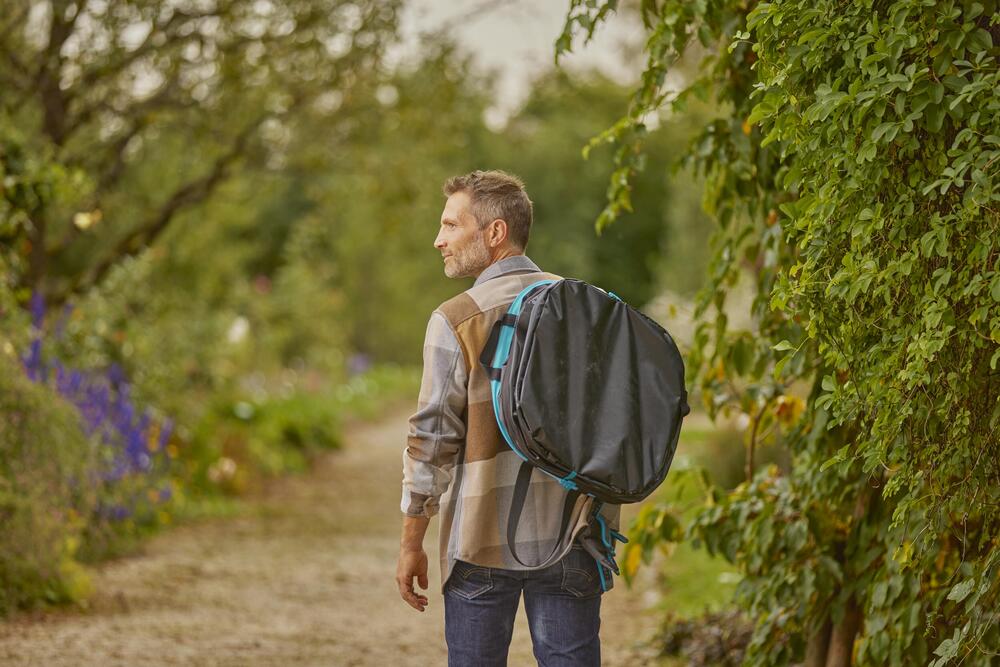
(818, 646)
(841, 651)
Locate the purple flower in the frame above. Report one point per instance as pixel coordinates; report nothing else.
(114, 512)
(108, 413)
(37, 309)
(115, 374)
(358, 363)
(33, 365)
(165, 429)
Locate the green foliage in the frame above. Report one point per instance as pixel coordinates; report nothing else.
(160, 104)
(378, 200)
(855, 180)
(29, 179)
(248, 435)
(662, 242)
(240, 441)
(45, 496)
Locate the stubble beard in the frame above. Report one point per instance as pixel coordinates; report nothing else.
(470, 261)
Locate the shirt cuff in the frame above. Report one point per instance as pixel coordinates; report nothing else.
(419, 504)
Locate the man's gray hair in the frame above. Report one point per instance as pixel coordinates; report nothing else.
(496, 194)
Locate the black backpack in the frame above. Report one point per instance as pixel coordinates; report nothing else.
(591, 392)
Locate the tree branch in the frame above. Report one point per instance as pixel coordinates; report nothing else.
(108, 179)
(54, 99)
(161, 99)
(112, 174)
(189, 194)
(93, 77)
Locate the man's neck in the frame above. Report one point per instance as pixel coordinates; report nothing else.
(505, 253)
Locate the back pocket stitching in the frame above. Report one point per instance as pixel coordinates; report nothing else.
(469, 570)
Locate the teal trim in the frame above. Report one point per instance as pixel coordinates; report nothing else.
(600, 567)
(500, 358)
(507, 331)
(503, 346)
(615, 296)
(608, 543)
(567, 482)
(600, 571)
(604, 532)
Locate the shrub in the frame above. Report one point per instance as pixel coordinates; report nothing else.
(45, 497)
(718, 639)
(242, 438)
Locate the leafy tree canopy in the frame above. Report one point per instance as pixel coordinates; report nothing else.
(163, 100)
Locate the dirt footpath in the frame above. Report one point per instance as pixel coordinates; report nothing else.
(305, 576)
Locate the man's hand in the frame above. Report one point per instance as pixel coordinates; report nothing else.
(412, 563)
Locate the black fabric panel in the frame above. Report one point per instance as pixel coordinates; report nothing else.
(595, 386)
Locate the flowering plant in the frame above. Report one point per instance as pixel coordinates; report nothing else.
(131, 469)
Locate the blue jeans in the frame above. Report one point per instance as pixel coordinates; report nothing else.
(562, 601)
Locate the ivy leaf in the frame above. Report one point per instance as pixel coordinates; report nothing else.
(881, 130)
(780, 365)
(867, 152)
(633, 557)
(839, 457)
(961, 591)
(947, 649)
(980, 40)
(927, 243)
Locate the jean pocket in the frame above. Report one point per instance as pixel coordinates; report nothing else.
(580, 575)
(469, 581)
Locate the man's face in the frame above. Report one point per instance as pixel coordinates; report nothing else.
(461, 242)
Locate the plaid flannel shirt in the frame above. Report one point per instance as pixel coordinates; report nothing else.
(456, 463)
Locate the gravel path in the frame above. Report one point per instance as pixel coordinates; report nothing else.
(303, 576)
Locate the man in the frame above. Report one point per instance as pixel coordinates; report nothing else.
(456, 462)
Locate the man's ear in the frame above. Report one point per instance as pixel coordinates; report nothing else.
(496, 233)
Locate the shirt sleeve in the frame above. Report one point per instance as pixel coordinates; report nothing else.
(437, 429)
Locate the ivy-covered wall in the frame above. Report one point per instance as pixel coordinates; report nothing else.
(856, 179)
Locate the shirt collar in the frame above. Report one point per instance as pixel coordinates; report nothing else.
(515, 264)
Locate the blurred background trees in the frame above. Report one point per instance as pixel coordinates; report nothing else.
(154, 105)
